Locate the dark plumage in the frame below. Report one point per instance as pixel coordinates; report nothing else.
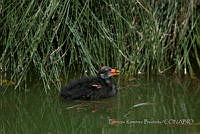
(98, 87)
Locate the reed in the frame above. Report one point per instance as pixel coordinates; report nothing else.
(55, 38)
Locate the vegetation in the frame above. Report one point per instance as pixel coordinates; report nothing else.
(56, 37)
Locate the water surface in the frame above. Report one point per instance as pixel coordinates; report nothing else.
(158, 105)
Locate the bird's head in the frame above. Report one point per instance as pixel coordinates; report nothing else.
(107, 72)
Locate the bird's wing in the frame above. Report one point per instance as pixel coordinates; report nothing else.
(96, 85)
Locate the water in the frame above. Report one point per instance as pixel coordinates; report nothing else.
(160, 105)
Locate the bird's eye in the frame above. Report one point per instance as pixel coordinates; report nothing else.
(108, 70)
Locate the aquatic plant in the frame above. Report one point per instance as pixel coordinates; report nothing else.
(57, 38)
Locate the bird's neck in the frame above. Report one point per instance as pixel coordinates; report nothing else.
(109, 82)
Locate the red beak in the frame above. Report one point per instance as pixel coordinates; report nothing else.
(114, 72)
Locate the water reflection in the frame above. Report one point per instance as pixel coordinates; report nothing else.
(142, 106)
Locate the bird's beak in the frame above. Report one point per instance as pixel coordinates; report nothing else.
(114, 72)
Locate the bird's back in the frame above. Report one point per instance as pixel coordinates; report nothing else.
(83, 89)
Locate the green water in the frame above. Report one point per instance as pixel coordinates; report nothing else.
(160, 105)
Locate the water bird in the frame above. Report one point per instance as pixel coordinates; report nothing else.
(92, 88)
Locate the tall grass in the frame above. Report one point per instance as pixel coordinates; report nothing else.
(58, 38)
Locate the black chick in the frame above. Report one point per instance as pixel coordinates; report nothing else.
(92, 88)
